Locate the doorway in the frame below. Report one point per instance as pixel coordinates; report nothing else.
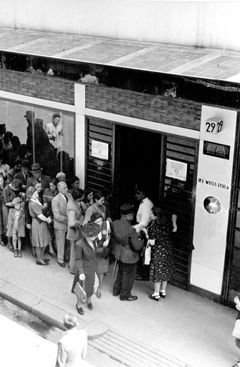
(141, 157)
(137, 160)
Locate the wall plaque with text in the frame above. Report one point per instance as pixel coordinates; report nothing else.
(100, 149)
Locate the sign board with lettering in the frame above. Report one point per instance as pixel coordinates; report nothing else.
(100, 149)
(216, 150)
(213, 199)
(176, 169)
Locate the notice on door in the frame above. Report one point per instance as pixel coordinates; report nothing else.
(176, 169)
(99, 149)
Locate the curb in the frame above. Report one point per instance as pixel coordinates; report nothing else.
(117, 346)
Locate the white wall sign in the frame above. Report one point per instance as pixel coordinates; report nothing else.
(99, 149)
(214, 178)
(176, 169)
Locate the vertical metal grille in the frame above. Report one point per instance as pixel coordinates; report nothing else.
(186, 151)
(99, 171)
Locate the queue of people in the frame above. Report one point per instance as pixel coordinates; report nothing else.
(55, 217)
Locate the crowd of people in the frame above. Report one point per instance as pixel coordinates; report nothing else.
(53, 216)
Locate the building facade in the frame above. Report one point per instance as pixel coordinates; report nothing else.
(155, 114)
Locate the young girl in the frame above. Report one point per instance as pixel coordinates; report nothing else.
(16, 225)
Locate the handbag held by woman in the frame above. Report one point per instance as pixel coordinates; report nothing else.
(79, 290)
(236, 329)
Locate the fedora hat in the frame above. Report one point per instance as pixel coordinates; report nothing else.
(36, 167)
(16, 184)
(30, 114)
(90, 230)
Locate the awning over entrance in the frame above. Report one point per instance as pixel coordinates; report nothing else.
(172, 59)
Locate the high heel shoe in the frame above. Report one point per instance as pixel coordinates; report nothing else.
(41, 262)
(154, 297)
(99, 293)
(90, 306)
(80, 310)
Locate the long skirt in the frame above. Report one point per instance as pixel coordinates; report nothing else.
(40, 234)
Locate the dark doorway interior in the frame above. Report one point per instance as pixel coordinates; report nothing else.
(137, 160)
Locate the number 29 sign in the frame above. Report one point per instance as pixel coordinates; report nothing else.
(213, 125)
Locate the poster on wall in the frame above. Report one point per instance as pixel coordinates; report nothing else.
(176, 169)
(99, 149)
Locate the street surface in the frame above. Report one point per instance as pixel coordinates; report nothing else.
(27, 341)
(20, 345)
(183, 327)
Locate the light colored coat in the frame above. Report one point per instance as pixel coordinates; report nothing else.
(75, 220)
(72, 349)
(11, 222)
(59, 208)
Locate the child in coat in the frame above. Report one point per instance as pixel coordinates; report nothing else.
(16, 225)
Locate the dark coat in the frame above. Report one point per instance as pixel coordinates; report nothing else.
(86, 263)
(126, 242)
(44, 181)
(20, 176)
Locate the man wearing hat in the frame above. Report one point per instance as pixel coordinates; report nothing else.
(24, 173)
(36, 172)
(127, 246)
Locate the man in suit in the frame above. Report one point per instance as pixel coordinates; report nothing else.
(37, 175)
(127, 246)
(24, 173)
(59, 208)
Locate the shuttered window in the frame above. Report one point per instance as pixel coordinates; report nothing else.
(99, 170)
(182, 203)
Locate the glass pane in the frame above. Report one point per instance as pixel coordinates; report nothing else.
(42, 135)
(237, 239)
(238, 203)
(238, 220)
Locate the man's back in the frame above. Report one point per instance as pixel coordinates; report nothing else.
(127, 242)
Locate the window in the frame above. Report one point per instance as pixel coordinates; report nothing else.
(40, 134)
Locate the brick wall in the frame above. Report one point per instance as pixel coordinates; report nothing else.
(39, 86)
(166, 110)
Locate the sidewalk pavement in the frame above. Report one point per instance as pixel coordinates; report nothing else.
(182, 330)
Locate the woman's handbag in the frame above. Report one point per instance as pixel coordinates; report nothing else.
(79, 290)
(236, 329)
(147, 255)
(96, 283)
